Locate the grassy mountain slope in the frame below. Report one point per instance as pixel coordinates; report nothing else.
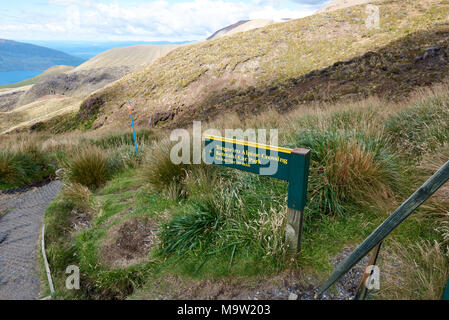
(23, 56)
(275, 63)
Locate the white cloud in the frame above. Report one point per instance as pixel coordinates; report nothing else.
(153, 20)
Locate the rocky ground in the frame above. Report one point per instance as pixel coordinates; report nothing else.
(74, 83)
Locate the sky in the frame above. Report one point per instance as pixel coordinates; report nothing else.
(137, 20)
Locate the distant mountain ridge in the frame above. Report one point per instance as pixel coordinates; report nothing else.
(241, 26)
(16, 56)
(225, 30)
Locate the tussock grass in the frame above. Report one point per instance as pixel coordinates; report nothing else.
(422, 270)
(220, 221)
(112, 140)
(88, 166)
(347, 167)
(161, 173)
(24, 163)
(79, 196)
(421, 128)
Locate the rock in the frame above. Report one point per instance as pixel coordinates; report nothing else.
(36, 126)
(293, 296)
(432, 52)
(162, 116)
(435, 48)
(404, 67)
(418, 58)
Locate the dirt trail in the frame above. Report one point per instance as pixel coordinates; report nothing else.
(21, 214)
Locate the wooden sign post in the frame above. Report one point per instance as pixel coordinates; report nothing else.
(291, 165)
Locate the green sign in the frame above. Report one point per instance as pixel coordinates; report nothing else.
(291, 165)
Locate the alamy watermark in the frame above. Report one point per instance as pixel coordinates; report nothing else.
(189, 149)
(372, 282)
(373, 19)
(72, 282)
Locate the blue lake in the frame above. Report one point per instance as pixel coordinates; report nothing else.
(7, 77)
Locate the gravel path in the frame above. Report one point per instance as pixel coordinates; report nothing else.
(20, 228)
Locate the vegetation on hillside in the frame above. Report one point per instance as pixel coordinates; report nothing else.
(139, 235)
(324, 57)
(139, 226)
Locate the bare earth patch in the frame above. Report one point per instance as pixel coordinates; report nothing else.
(287, 285)
(129, 242)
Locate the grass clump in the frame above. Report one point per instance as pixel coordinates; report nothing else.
(423, 272)
(79, 196)
(116, 140)
(25, 166)
(421, 128)
(124, 157)
(223, 222)
(88, 166)
(190, 231)
(162, 173)
(347, 167)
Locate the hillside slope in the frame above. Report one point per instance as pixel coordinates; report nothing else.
(16, 56)
(287, 64)
(61, 89)
(132, 57)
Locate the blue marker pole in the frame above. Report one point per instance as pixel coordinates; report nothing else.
(132, 123)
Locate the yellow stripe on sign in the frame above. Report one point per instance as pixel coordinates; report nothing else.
(250, 144)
